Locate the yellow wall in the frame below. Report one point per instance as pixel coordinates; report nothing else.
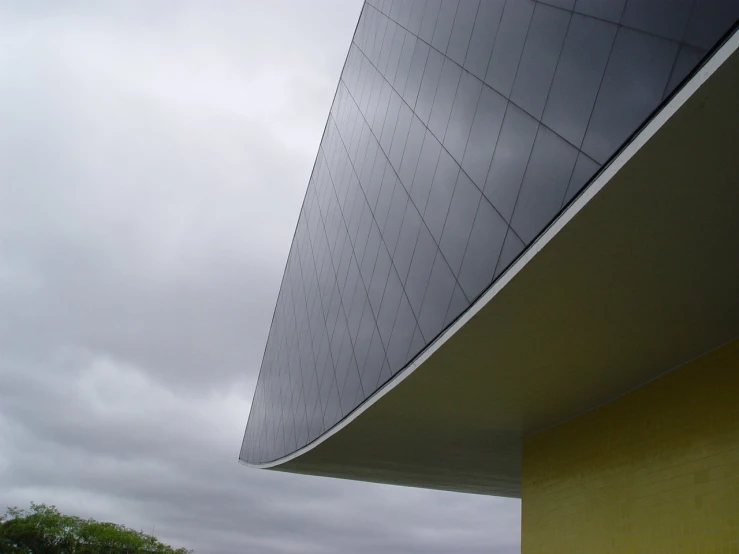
(656, 470)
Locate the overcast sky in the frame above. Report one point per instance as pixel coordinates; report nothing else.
(153, 158)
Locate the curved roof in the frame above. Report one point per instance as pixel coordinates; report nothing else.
(399, 236)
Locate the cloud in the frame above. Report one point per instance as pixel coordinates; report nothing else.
(153, 161)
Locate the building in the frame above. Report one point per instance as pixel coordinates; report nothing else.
(516, 270)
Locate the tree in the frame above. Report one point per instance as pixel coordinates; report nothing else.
(44, 530)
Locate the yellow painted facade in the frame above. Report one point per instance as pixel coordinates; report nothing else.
(656, 470)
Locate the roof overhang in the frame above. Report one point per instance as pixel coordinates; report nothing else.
(637, 276)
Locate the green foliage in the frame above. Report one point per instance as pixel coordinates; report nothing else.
(44, 530)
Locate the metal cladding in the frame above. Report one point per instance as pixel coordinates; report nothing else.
(459, 130)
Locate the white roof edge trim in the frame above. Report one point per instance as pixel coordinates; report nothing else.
(607, 173)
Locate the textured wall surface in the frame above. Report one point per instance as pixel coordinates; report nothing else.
(458, 131)
(656, 470)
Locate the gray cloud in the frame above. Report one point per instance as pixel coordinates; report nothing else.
(153, 158)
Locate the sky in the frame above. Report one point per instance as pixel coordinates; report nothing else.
(153, 159)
